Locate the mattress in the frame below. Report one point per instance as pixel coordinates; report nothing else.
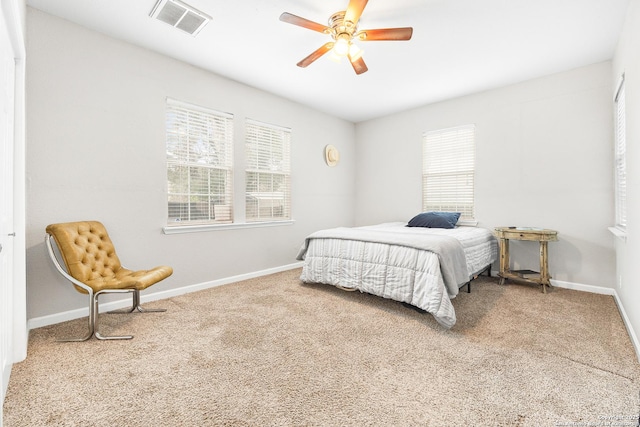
(401, 263)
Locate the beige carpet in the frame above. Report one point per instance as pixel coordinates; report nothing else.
(273, 351)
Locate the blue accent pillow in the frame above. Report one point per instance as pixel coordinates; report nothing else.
(435, 220)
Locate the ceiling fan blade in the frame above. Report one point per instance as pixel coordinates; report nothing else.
(316, 54)
(404, 33)
(358, 65)
(354, 10)
(305, 23)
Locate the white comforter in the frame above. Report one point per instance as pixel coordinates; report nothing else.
(398, 262)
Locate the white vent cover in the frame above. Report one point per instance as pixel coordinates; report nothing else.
(180, 15)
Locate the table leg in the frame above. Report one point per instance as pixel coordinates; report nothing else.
(544, 267)
(504, 259)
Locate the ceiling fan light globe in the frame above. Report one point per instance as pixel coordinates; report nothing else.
(341, 47)
(334, 56)
(355, 52)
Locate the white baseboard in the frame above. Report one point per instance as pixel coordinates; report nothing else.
(605, 291)
(582, 287)
(38, 322)
(627, 324)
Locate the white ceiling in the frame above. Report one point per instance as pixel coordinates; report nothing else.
(458, 46)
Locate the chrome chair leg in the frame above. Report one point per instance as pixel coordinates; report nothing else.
(137, 307)
(141, 309)
(92, 324)
(97, 311)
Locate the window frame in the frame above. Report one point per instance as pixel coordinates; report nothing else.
(261, 149)
(620, 157)
(201, 124)
(437, 146)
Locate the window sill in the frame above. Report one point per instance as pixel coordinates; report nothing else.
(180, 229)
(619, 233)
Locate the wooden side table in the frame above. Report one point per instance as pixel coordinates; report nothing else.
(529, 234)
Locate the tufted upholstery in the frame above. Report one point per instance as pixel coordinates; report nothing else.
(91, 258)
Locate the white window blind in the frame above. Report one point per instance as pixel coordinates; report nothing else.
(448, 170)
(268, 173)
(199, 164)
(620, 159)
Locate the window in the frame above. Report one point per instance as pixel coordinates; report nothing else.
(268, 173)
(448, 170)
(199, 164)
(620, 158)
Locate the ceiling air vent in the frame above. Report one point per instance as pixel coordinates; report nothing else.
(180, 15)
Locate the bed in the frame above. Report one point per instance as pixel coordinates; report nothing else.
(423, 267)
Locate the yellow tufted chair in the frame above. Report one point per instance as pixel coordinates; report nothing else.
(94, 268)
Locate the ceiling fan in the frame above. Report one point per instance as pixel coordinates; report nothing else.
(343, 29)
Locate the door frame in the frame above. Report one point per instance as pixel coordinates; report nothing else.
(14, 18)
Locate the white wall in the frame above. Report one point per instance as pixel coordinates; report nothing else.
(543, 159)
(95, 150)
(627, 61)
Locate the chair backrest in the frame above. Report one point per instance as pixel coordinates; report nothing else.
(86, 249)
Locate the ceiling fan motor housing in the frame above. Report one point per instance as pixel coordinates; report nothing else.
(340, 27)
